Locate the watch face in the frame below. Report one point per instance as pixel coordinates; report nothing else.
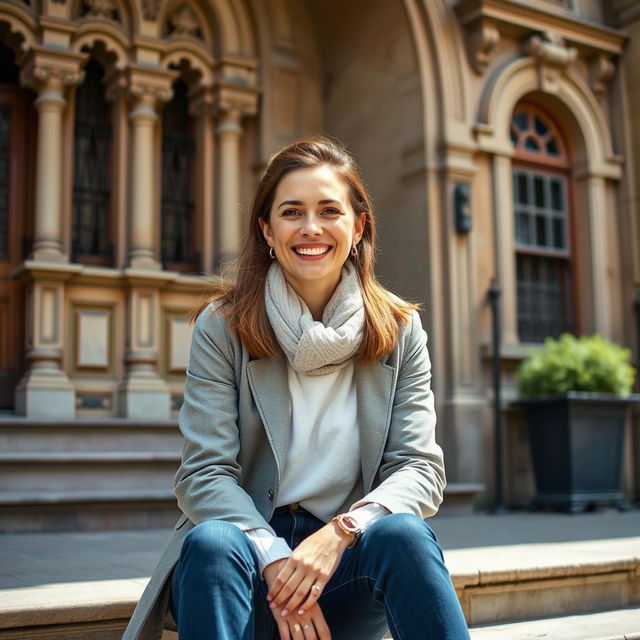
(349, 523)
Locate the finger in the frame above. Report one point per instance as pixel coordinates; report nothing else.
(301, 594)
(297, 632)
(285, 593)
(309, 630)
(320, 624)
(315, 591)
(281, 579)
(283, 627)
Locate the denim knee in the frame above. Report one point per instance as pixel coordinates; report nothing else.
(216, 542)
(403, 531)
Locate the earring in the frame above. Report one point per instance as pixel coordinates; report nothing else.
(272, 253)
(354, 251)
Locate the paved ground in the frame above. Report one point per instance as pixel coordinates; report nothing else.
(51, 559)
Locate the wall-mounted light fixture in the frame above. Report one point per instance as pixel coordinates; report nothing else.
(462, 207)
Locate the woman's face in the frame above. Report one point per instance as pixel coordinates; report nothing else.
(312, 227)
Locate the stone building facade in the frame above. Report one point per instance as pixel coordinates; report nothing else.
(499, 139)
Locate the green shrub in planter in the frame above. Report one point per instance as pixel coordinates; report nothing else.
(588, 363)
(575, 397)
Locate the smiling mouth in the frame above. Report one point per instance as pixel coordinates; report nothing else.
(311, 252)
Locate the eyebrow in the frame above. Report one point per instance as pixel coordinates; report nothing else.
(299, 202)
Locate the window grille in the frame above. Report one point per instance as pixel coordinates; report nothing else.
(178, 149)
(542, 237)
(5, 177)
(91, 201)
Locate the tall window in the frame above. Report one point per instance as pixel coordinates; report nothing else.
(542, 227)
(91, 241)
(178, 149)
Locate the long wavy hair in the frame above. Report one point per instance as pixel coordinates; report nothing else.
(242, 301)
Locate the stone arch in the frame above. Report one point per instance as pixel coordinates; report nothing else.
(227, 25)
(112, 39)
(20, 29)
(190, 57)
(570, 99)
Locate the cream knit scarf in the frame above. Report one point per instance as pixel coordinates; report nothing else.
(312, 347)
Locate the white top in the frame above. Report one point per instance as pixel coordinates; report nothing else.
(323, 461)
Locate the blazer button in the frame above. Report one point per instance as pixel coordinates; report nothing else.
(270, 494)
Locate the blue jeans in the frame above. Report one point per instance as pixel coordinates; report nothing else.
(394, 578)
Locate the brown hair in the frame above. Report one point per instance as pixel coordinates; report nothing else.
(243, 301)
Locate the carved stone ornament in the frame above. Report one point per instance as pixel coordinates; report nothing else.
(39, 77)
(150, 9)
(602, 68)
(101, 8)
(138, 90)
(481, 43)
(550, 48)
(184, 22)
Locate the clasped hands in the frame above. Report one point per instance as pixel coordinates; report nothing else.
(296, 583)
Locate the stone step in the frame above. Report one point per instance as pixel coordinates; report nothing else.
(65, 471)
(85, 585)
(621, 624)
(459, 498)
(114, 434)
(85, 510)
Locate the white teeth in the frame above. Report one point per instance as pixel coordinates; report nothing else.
(311, 252)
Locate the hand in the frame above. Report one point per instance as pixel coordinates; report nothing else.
(302, 577)
(309, 626)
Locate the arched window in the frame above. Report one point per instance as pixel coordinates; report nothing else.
(91, 241)
(178, 149)
(541, 203)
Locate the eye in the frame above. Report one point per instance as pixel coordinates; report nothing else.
(289, 212)
(331, 211)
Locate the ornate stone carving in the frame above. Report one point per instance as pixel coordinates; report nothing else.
(550, 48)
(141, 89)
(184, 22)
(602, 68)
(481, 43)
(39, 77)
(101, 8)
(150, 9)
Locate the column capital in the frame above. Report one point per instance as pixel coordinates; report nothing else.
(201, 101)
(235, 101)
(46, 69)
(148, 85)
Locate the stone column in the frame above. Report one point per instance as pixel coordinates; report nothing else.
(231, 104)
(49, 73)
(45, 389)
(147, 89)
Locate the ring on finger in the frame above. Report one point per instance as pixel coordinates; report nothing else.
(316, 587)
(305, 626)
(297, 628)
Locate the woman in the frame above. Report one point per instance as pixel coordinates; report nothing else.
(309, 460)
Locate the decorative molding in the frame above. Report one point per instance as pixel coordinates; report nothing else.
(150, 9)
(602, 69)
(44, 68)
(101, 8)
(146, 84)
(550, 48)
(184, 22)
(231, 99)
(482, 40)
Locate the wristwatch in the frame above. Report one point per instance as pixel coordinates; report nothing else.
(349, 525)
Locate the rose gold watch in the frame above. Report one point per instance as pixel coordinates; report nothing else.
(350, 526)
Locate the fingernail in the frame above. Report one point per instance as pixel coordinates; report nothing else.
(272, 605)
(284, 612)
(300, 612)
(269, 598)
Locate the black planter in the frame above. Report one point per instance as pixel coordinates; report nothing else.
(577, 443)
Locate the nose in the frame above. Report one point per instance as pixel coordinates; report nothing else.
(310, 226)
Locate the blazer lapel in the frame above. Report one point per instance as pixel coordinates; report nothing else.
(270, 388)
(374, 397)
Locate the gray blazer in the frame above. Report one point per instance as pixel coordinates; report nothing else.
(236, 427)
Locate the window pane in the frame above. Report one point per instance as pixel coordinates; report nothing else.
(540, 127)
(521, 121)
(552, 147)
(556, 195)
(531, 144)
(523, 235)
(523, 190)
(514, 136)
(541, 230)
(559, 241)
(538, 190)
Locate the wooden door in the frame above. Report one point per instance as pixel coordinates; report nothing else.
(16, 138)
